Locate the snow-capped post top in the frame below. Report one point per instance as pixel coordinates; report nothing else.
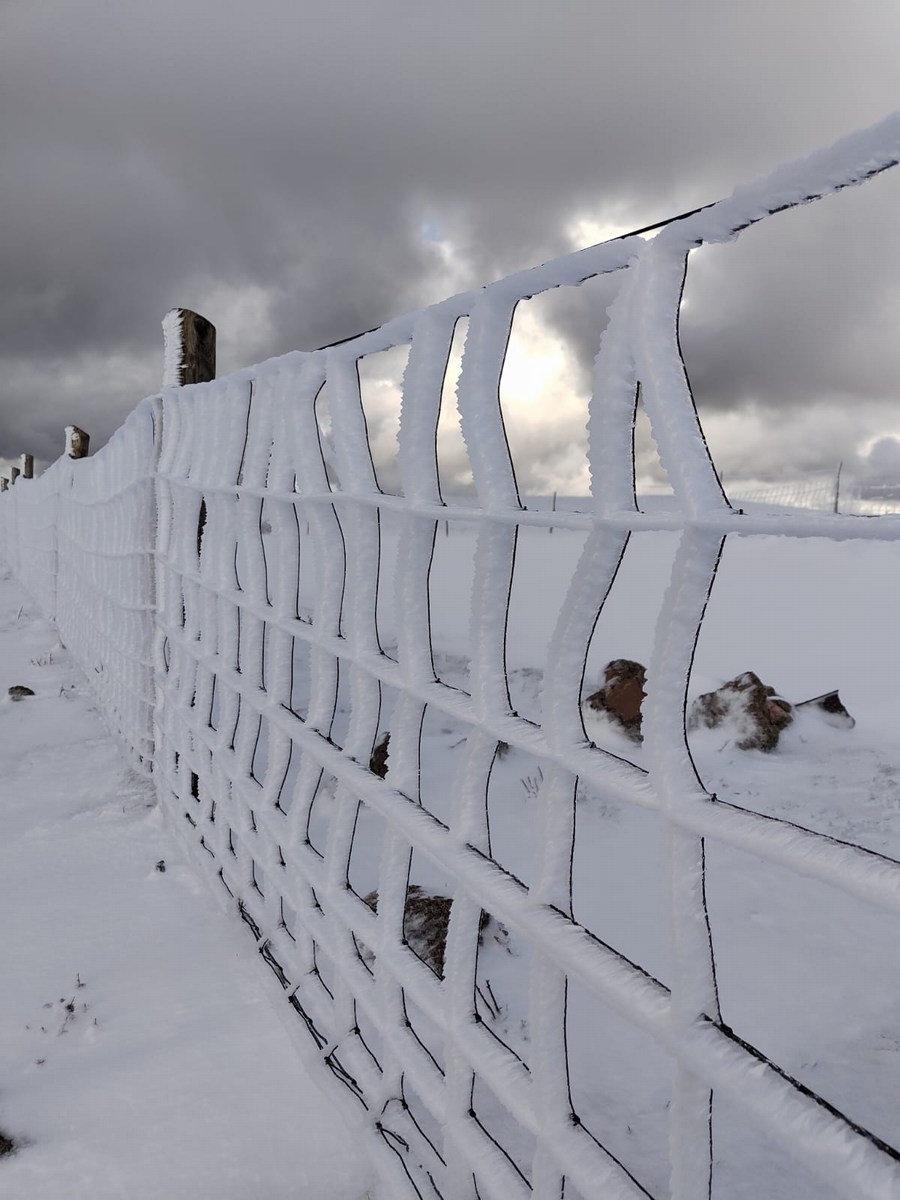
(26, 465)
(189, 348)
(78, 443)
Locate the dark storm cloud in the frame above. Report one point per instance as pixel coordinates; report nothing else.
(165, 154)
(800, 308)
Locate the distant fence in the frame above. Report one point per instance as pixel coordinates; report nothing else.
(82, 539)
(174, 563)
(825, 493)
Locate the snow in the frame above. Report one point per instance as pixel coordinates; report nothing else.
(781, 965)
(847, 162)
(801, 614)
(173, 349)
(172, 1079)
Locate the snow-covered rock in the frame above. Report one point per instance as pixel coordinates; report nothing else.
(752, 712)
(621, 695)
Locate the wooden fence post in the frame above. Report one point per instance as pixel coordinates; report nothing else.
(78, 443)
(4, 483)
(13, 474)
(190, 348)
(27, 466)
(189, 342)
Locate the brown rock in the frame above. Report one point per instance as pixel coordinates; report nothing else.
(425, 920)
(830, 705)
(758, 714)
(379, 758)
(621, 695)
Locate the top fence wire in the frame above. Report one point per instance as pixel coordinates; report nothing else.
(255, 611)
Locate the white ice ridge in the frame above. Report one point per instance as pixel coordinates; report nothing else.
(256, 615)
(173, 348)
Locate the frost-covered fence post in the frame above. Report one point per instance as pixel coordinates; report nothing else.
(189, 356)
(13, 474)
(190, 348)
(4, 483)
(78, 443)
(27, 466)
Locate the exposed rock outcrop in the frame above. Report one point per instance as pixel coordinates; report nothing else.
(754, 711)
(621, 695)
(830, 706)
(425, 920)
(379, 758)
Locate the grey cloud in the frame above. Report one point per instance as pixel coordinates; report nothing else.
(156, 155)
(883, 459)
(798, 313)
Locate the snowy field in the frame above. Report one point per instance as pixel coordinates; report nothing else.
(806, 974)
(172, 1077)
(139, 1054)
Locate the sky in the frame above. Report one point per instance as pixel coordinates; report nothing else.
(302, 172)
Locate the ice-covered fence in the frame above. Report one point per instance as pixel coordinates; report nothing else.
(251, 686)
(826, 493)
(28, 534)
(274, 683)
(81, 537)
(816, 493)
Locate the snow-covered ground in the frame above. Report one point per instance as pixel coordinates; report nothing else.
(187, 1086)
(139, 1054)
(806, 974)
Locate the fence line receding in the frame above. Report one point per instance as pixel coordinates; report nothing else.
(217, 569)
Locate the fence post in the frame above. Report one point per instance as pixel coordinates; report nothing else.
(4, 483)
(78, 443)
(27, 466)
(190, 348)
(13, 474)
(189, 356)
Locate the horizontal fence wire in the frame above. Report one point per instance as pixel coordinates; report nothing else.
(218, 570)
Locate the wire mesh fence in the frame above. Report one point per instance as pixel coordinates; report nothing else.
(825, 493)
(219, 570)
(82, 537)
